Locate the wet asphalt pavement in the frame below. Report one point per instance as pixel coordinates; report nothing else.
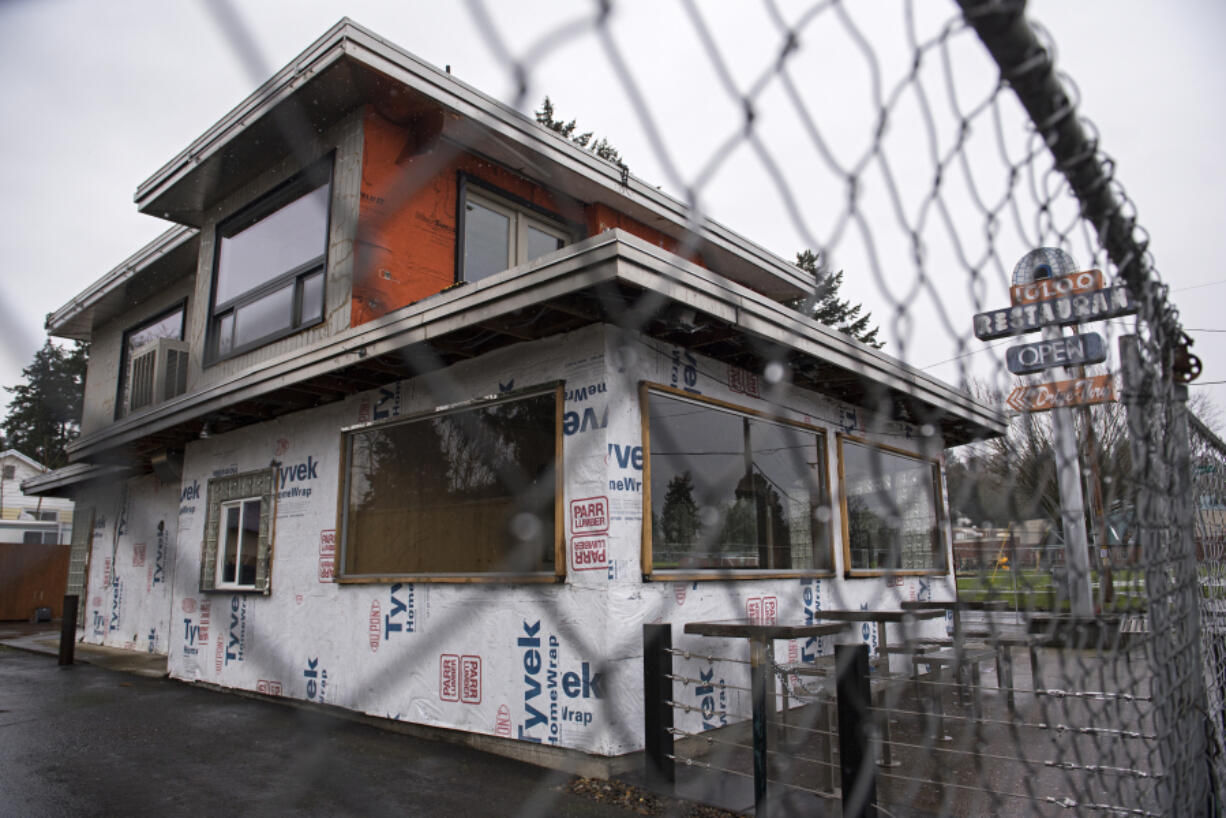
(85, 740)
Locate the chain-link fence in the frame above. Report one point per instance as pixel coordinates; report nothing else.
(1073, 662)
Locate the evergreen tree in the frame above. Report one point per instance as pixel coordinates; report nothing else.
(824, 304)
(600, 147)
(679, 515)
(45, 412)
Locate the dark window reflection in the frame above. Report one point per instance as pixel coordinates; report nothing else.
(892, 518)
(466, 492)
(487, 242)
(733, 491)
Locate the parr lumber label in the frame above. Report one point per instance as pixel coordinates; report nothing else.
(1058, 312)
(1077, 392)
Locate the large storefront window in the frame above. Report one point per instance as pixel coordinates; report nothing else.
(892, 513)
(732, 491)
(461, 493)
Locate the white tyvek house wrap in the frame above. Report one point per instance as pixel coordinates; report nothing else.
(551, 663)
(132, 560)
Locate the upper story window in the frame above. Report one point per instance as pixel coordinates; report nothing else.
(891, 510)
(270, 265)
(9, 472)
(732, 491)
(498, 233)
(165, 325)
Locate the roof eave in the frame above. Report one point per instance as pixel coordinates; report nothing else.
(348, 40)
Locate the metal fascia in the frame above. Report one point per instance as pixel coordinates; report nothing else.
(609, 257)
(138, 261)
(349, 39)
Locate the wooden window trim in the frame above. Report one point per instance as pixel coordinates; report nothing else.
(558, 574)
(650, 574)
(939, 507)
(261, 484)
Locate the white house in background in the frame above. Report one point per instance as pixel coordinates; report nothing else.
(26, 519)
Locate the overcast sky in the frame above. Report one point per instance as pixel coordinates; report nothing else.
(101, 95)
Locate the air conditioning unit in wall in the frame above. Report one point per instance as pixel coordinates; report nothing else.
(158, 372)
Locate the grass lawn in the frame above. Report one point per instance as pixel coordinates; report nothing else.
(1033, 590)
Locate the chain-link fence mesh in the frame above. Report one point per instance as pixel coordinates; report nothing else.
(961, 152)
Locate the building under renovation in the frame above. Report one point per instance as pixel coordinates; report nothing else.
(420, 410)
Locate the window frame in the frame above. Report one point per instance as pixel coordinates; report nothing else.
(125, 359)
(523, 214)
(224, 492)
(318, 175)
(939, 520)
(650, 573)
(557, 575)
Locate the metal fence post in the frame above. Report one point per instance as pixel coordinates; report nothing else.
(68, 629)
(761, 770)
(661, 769)
(856, 756)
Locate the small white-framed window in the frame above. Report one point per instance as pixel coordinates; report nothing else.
(238, 546)
(498, 234)
(238, 533)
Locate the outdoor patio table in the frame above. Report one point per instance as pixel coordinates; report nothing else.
(760, 636)
(881, 618)
(1000, 649)
(957, 606)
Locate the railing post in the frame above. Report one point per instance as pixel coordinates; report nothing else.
(759, 674)
(856, 756)
(661, 769)
(68, 629)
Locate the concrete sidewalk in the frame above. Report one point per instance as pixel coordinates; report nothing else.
(44, 638)
(87, 740)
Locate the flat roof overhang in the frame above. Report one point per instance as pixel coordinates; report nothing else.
(63, 482)
(166, 259)
(349, 67)
(613, 278)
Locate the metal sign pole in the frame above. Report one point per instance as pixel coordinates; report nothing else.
(1072, 504)
(1072, 514)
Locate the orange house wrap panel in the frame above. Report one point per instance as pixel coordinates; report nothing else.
(406, 238)
(601, 217)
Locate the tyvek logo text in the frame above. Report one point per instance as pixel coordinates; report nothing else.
(574, 423)
(685, 371)
(188, 498)
(196, 633)
(581, 685)
(712, 699)
(402, 618)
(316, 681)
(626, 457)
(233, 648)
(290, 479)
(159, 556)
(811, 596)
